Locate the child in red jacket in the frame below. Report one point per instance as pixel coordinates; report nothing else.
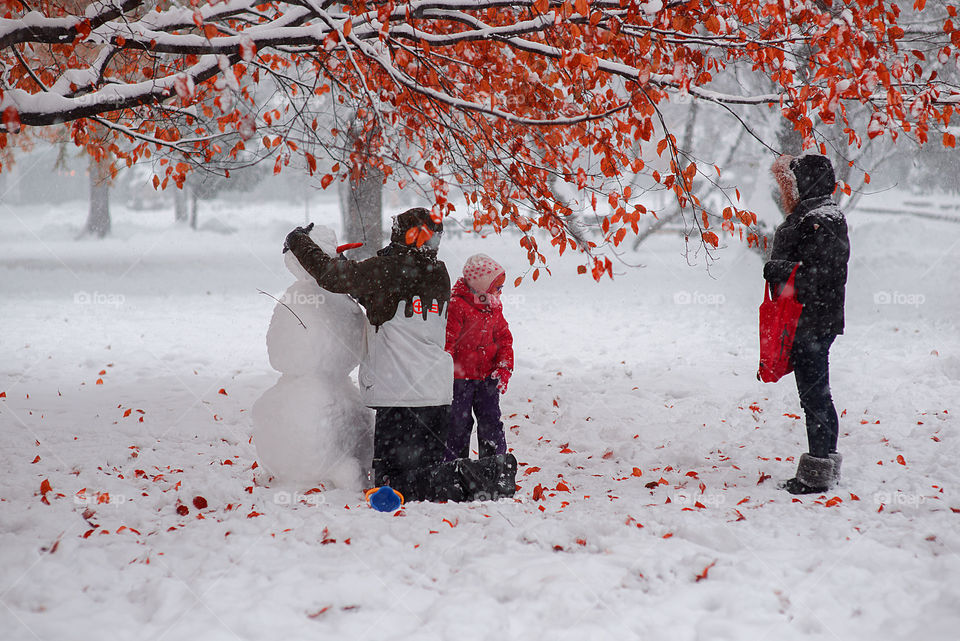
(480, 342)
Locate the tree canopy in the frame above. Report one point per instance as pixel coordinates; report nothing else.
(501, 99)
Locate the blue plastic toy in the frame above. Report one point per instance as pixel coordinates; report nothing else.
(384, 499)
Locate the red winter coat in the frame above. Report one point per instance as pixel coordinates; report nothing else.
(478, 336)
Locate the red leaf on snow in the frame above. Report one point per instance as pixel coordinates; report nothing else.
(36, 460)
(531, 470)
(703, 575)
(455, 522)
(183, 510)
(608, 454)
(763, 477)
(667, 535)
(562, 487)
(637, 472)
(222, 391)
(901, 460)
(127, 413)
(45, 486)
(538, 493)
(199, 502)
(99, 381)
(834, 501)
(253, 514)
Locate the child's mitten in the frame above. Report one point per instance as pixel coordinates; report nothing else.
(502, 376)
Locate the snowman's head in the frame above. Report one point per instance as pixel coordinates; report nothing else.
(325, 238)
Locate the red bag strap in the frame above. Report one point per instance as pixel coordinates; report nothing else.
(789, 287)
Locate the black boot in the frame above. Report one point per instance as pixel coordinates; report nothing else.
(489, 478)
(814, 475)
(837, 459)
(438, 482)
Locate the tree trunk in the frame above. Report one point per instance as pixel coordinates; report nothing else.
(193, 211)
(180, 210)
(98, 217)
(361, 213)
(361, 205)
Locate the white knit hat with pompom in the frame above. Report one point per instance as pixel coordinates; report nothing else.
(483, 274)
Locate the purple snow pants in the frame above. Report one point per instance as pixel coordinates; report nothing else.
(483, 399)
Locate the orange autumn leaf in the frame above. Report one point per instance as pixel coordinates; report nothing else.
(99, 381)
(45, 486)
(834, 501)
(703, 575)
(901, 460)
(637, 472)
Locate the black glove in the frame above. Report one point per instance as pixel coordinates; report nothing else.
(305, 230)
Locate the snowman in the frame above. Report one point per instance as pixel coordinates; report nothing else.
(311, 428)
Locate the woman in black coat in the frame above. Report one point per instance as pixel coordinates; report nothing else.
(812, 238)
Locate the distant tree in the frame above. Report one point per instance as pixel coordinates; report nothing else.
(498, 99)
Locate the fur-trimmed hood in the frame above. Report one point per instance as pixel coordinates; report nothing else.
(804, 177)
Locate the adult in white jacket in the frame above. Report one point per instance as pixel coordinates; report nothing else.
(405, 373)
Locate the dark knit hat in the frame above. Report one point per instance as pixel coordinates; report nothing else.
(417, 218)
(815, 176)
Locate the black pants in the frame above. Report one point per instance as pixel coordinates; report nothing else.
(408, 443)
(811, 366)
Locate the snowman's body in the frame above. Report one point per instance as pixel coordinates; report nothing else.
(311, 428)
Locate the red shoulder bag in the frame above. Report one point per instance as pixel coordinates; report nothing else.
(778, 325)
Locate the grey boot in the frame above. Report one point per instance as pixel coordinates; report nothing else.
(837, 459)
(814, 475)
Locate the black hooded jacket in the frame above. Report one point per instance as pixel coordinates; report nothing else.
(398, 273)
(813, 236)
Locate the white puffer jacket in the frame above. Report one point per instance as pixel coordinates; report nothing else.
(403, 363)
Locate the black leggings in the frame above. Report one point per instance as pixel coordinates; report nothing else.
(811, 365)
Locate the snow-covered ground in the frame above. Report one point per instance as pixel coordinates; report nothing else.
(129, 367)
